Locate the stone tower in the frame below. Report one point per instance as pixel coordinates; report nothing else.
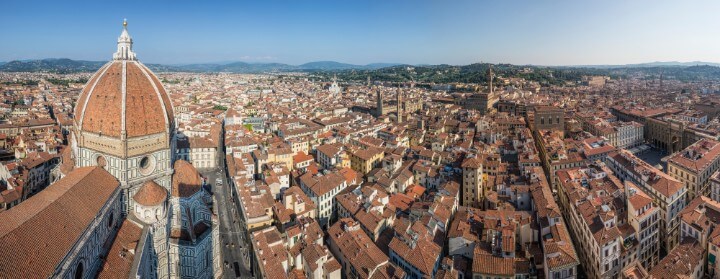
(399, 110)
(491, 76)
(379, 98)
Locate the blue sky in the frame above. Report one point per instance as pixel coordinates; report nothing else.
(361, 32)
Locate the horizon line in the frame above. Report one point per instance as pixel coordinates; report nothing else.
(699, 62)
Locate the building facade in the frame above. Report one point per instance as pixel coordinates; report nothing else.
(668, 194)
(548, 118)
(694, 165)
(589, 198)
(473, 189)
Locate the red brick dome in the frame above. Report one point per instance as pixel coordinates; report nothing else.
(124, 96)
(150, 194)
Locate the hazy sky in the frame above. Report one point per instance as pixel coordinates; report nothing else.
(355, 31)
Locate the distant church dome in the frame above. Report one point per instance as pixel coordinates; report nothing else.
(124, 99)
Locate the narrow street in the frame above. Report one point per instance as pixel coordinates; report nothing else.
(233, 239)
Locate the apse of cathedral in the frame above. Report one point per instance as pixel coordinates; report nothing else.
(123, 205)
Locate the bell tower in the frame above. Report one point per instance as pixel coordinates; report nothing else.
(399, 109)
(491, 75)
(379, 98)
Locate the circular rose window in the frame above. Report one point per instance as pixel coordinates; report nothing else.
(101, 162)
(147, 165)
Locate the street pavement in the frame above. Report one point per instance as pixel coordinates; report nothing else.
(234, 246)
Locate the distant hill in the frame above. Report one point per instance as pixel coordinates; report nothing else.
(675, 63)
(381, 65)
(476, 73)
(650, 64)
(243, 67)
(64, 65)
(332, 65)
(194, 67)
(472, 73)
(328, 65)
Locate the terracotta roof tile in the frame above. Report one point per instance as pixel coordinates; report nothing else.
(147, 109)
(356, 247)
(118, 263)
(680, 262)
(488, 264)
(39, 232)
(150, 194)
(186, 180)
(143, 110)
(103, 110)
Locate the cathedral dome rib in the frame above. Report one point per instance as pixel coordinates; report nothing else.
(124, 98)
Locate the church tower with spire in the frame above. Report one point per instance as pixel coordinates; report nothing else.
(334, 87)
(483, 102)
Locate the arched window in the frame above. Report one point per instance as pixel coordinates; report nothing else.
(208, 259)
(79, 270)
(111, 219)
